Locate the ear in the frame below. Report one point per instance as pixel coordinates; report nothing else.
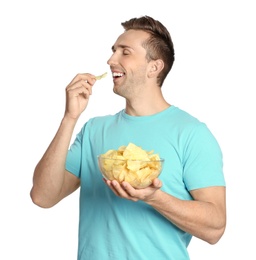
(155, 67)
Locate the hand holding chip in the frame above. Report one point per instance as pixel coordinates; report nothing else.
(78, 93)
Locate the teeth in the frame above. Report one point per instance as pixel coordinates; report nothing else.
(115, 74)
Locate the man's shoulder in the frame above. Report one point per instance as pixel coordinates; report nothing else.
(184, 117)
(103, 119)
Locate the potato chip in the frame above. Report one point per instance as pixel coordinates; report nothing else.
(135, 165)
(132, 164)
(101, 76)
(134, 152)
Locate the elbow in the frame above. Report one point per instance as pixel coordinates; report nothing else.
(216, 231)
(39, 201)
(215, 236)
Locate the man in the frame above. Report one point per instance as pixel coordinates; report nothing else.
(116, 220)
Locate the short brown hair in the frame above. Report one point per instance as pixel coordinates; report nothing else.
(158, 46)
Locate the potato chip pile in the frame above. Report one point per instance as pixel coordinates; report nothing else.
(132, 164)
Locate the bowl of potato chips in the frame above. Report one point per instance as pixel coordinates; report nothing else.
(131, 164)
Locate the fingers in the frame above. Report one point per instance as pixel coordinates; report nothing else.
(157, 183)
(123, 190)
(87, 77)
(126, 191)
(78, 88)
(81, 86)
(78, 93)
(81, 81)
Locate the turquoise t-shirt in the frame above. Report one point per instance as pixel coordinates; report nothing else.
(114, 228)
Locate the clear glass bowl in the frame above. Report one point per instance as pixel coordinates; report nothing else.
(138, 173)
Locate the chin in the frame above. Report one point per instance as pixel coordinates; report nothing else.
(115, 90)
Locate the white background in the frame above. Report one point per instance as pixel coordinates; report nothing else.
(44, 44)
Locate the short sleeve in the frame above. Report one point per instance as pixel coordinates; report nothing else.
(203, 160)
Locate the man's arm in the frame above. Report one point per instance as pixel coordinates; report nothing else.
(51, 182)
(203, 217)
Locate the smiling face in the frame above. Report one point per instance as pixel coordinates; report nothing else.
(128, 64)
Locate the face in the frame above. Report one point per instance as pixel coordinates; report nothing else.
(128, 64)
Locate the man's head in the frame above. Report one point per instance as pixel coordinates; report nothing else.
(158, 46)
(142, 57)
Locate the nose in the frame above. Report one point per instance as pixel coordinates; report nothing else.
(111, 61)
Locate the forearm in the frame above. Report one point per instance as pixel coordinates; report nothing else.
(199, 218)
(49, 174)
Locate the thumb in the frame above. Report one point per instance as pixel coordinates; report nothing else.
(157, 183)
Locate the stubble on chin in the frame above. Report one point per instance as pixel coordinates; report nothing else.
(114, 89)
(117, 89)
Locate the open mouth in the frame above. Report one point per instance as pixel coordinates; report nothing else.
(117, 75)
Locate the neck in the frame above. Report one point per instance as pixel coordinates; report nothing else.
(146, 105)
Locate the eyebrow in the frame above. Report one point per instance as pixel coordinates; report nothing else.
(122, 46)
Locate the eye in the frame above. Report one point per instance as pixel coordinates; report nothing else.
(126, 52)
